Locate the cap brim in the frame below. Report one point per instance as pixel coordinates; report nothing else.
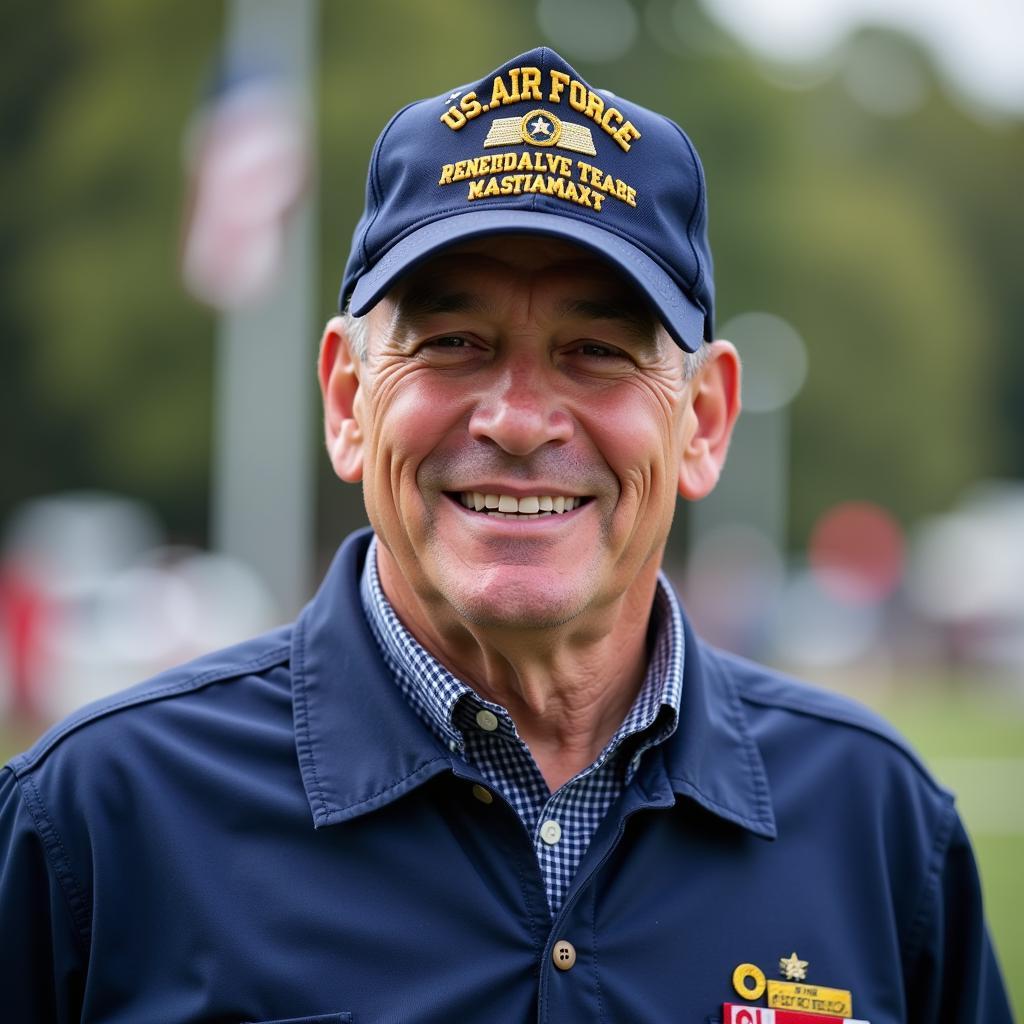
(683, 319)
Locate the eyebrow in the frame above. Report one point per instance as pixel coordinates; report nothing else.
(634, 314)
(424, 299)
(427, 296)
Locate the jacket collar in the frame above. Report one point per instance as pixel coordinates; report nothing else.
(361, 746)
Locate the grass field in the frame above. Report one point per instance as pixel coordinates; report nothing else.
(974, 742)
(973, 739)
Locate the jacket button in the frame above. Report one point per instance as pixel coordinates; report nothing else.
(483, 795)
(564, 955)
(487, 720)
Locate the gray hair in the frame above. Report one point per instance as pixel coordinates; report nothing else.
(359, 337)
(358, 334)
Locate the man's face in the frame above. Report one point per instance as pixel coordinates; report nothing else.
(520, 371)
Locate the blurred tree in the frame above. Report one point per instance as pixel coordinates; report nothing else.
(115, 375)
(32, 74)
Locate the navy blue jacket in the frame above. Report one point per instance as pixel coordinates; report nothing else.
(271, 833)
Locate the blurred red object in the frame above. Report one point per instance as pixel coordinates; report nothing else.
(857, 553)
(24, 617)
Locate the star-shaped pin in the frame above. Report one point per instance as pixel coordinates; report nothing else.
(540, 127)
(454, 96)
(793, 968)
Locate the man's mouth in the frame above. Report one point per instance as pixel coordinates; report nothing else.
(507, 506)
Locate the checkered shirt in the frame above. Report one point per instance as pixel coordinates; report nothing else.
(453, 712)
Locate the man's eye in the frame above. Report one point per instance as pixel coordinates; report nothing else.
(596, 350)
(448, 341)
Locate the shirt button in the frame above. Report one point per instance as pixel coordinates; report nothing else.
(483, 795)
(564, 955)
(487, 720)
(551, 832)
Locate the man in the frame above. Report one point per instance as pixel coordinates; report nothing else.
(490, 774)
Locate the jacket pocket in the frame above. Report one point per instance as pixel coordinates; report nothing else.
(320, 1018)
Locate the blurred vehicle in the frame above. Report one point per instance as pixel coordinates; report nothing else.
(967, 575)
(92, 600)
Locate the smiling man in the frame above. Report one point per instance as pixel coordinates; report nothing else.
(522, 425)
(490, 774)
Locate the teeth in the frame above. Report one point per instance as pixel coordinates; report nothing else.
(505, 505)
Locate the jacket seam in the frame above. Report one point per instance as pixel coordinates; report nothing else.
(926, 905)
(755, 770)
(302, 720)
(28, 762)
(60, 862)
(800, 708)
(597, 973)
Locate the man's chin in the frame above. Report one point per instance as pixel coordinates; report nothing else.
(522, 599)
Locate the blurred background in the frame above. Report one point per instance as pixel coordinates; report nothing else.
(180, 192)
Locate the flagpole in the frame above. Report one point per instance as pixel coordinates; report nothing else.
(262, 508)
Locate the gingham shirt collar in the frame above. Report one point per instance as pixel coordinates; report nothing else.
(560, 824)
(445, 703)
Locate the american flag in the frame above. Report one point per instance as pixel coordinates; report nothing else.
(248, 155)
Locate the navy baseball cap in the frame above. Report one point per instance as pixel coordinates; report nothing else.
(533, 149)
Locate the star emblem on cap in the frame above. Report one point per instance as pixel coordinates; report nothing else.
(793, 968)
(540, 127)
(453, 96)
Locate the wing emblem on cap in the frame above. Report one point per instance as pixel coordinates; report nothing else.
(540, 128)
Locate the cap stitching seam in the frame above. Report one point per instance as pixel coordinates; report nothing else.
(698, 206)
(375, 178)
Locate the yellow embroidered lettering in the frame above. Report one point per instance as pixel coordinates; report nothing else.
(577, 96)
(454, 118)
(559, 164)
(499, 92)
(595, 106)
(470, 105)
(513, 74)
(446, 174)
(611, 114)
(530, 88)
(476, 189)
(625, 135)
(559, 80)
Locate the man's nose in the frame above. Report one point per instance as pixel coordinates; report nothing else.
(522, 411)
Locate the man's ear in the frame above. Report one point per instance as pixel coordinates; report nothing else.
(714, 406)
(339, 370)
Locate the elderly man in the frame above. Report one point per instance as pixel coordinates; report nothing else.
(490, 774)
